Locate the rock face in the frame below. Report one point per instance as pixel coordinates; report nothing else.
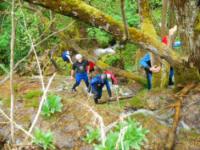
(68, 127)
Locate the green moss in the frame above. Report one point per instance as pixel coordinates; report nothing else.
(139, 100)
(5, 101)
(189, 75)
(32, 103)
(33, 94)
(197, 23)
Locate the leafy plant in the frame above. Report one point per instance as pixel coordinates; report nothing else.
(52, 105)
(134, 136)
(43, 139)
(102, 37)
(92, 135)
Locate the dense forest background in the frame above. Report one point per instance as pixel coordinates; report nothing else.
(38, 109)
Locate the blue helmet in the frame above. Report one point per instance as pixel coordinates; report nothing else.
(65, 55)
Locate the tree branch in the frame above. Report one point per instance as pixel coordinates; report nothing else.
(12, 45)
(80, 10)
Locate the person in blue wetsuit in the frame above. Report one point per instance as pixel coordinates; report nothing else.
(79, 69)
(145, 63)
(97, 83)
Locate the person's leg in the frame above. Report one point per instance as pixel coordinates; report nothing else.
(86, 80)
(171, 74)
(149, 79)
(77, 83)
(96, 95)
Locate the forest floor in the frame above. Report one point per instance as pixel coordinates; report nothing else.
(69, 126)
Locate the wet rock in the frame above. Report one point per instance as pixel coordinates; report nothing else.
(64, 141)
(86, 148)
(191, 111)
(73, 126)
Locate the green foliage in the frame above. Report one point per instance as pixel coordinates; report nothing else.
(52, 105)
(134, 136)
(33, 94)
(92, 135)
(63, 65)
(43, 139)
(139, 101)
(127, 53)
(102, 37)
(112, 8)
(112, 60)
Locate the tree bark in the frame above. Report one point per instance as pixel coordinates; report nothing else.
(188, 17)
(164, 18)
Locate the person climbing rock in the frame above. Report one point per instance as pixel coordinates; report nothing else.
(79, 69)
(66, 56)
(112, 78)
(97, 83)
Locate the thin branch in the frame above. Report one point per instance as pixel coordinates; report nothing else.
(123, 12)
(41, 104)
(121, 138)
(16, 125)
(33, 47)
(100, 122)
(54, 33)
(12, 45)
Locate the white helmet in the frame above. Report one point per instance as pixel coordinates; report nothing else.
(78, 56)
(109, 76)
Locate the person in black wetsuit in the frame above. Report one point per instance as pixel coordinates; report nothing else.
(79, 69)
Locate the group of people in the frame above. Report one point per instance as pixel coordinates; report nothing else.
(95, 79)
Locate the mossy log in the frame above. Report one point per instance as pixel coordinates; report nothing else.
(80, 10)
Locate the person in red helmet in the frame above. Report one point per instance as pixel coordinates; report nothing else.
(111, 76)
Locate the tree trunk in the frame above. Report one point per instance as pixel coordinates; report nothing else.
(80, 10)
(148, 28)
(164, 18)
(188, 20)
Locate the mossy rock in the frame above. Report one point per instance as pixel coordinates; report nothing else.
(139, 101)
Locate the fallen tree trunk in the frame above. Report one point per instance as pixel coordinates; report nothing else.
(86, 13)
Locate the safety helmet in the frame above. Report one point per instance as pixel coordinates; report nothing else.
(109, 76)
(78, 56)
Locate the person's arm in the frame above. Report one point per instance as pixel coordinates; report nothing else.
(70, 60)
(145, 65)
(108, 88)
(73, 71)
(88, 66)
(114, 79)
